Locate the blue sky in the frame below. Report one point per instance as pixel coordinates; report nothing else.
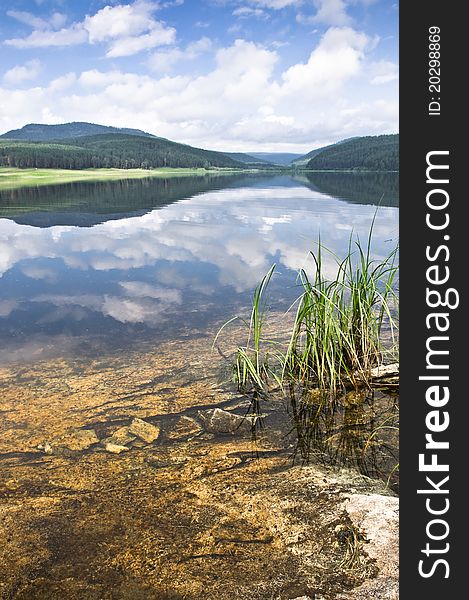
(240, 75)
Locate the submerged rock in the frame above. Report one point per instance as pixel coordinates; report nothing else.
(121, 437)
(74, 440)
(377, 517)
(144, 430)
(217, 420)
(184, 427)
(138, 434)
(115, 448)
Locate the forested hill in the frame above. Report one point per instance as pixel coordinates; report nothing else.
(112, 150)
(375, 153)
(38, 132)
(302, 161)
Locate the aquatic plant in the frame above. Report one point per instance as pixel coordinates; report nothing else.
(336, 338)
(251, 368)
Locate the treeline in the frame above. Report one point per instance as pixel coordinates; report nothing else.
(109, 151)
(42, 156)
(375, 153)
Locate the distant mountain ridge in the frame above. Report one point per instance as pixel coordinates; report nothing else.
(38, 132)
(277, 158)
(249, 159)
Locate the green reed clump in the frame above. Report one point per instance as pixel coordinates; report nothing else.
(336, 338)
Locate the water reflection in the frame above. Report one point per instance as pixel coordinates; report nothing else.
(359, 430)
(124, 261)
(360, 188)
(84, 204)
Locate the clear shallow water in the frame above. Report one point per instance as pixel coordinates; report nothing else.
(86, 267)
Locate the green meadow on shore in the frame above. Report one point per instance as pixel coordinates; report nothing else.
(14, 178)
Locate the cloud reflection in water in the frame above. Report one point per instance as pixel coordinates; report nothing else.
(167, 265)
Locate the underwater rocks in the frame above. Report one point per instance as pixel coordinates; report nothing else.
(221, 421)
(378, 517)
(73, 440)
(78, 439)
(144, 430)
(115, 448)
(138, 433)
(183, 428)
(120, 437)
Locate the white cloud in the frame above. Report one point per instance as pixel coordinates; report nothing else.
(164, 61)
(30, 70)
(383, 72)
(141, 289)
(170, 3)
(69, 36)
(7, 307)
(127, 46)
(328, 12)
(28, 18)
(338, 57)
(332, 12)
(275, 4)
(276, 222)
(123, 20)
(126, 310)
(55, 21)
(144, 309)
(62, 83)
(246, 11)
(204, 44)
(126, 29)
(39, 273)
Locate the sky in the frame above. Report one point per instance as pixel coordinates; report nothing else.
(232, 75)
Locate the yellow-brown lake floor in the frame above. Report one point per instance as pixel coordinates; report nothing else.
(92, 510)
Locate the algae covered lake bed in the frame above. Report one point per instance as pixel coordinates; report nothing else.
(195, 513)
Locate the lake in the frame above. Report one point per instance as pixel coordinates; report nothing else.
(131, 465)
(95, 267)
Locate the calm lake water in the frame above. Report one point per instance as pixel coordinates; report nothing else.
(128, 467)
(93, 267)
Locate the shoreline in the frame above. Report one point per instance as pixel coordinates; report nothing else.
(14, 178)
